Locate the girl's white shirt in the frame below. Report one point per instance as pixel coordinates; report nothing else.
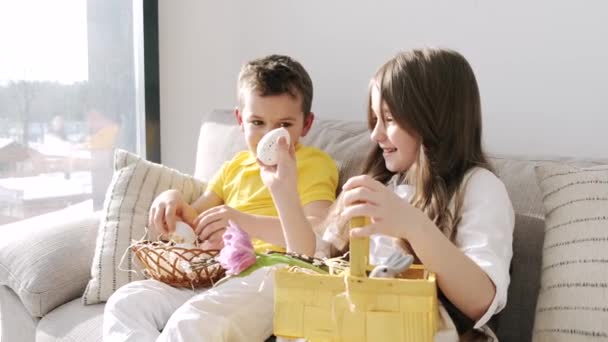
(485, 232)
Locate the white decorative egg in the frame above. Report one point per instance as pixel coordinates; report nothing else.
(183, 235)
(268, 146)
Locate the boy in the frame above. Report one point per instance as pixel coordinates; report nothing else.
(275, 91)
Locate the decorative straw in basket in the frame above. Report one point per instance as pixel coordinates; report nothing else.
(177, 266)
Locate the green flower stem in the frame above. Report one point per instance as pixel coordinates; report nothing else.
(263, 260)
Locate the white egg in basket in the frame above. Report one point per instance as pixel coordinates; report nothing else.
(184, 235)
(268, 146)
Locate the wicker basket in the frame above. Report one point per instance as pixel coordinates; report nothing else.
(354, 308)
(177, 266)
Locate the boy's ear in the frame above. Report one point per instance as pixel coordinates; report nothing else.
(308, 123)
(238, 116)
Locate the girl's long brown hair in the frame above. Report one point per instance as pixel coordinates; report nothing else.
(432, 93)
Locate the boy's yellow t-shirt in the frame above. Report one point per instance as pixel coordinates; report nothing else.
(239, 184)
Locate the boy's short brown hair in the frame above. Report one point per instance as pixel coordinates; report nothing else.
(276, 75)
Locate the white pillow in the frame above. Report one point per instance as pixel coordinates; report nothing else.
(135, 184)
(46, 259)
(573, 297)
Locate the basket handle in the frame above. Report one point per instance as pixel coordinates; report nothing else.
(359, 249)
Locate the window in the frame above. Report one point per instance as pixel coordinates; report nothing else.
(75, 82)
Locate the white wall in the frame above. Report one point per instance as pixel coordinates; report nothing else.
(542, 66)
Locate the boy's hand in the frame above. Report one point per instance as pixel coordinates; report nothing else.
(284, 175)
(210, 225)
(167, 208)
(215, 241)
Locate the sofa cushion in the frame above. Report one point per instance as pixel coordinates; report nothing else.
(572, 299)
(135, 184)
(72, 322)
(347, 142)
(46, 260)
(220, 138)
(520, 181)
(516, 321)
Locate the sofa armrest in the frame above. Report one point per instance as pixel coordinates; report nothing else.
(16, 324)
(46, 260)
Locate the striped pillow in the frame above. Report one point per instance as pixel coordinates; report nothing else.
(135, 184)
(573, 299)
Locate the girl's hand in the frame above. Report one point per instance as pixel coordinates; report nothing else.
(284, 175)
(210, 225)
(389, 214)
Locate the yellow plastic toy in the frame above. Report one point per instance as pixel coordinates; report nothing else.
(354, 308)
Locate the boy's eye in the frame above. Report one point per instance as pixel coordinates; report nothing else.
(257, 122)
(285, 124)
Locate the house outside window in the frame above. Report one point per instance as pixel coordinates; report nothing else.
(72, 90)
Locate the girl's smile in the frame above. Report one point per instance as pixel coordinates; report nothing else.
(399, 148)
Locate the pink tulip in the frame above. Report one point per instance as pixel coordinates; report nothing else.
(237, 254)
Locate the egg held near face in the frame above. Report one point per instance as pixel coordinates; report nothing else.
(267, 150)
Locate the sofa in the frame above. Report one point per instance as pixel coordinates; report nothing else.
(45, 262)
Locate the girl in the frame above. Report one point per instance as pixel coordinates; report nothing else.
(424, 114)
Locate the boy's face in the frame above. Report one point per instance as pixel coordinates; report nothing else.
(261, 114)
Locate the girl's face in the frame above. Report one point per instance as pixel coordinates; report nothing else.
(261, 114)
(399, 148)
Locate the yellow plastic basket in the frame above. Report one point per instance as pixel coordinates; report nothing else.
(355, 308)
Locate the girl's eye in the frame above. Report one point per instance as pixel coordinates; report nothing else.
(388, 118)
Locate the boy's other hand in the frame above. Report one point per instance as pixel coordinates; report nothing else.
(215, 241)
(165, 211)
(285, 173)
(211, 223)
